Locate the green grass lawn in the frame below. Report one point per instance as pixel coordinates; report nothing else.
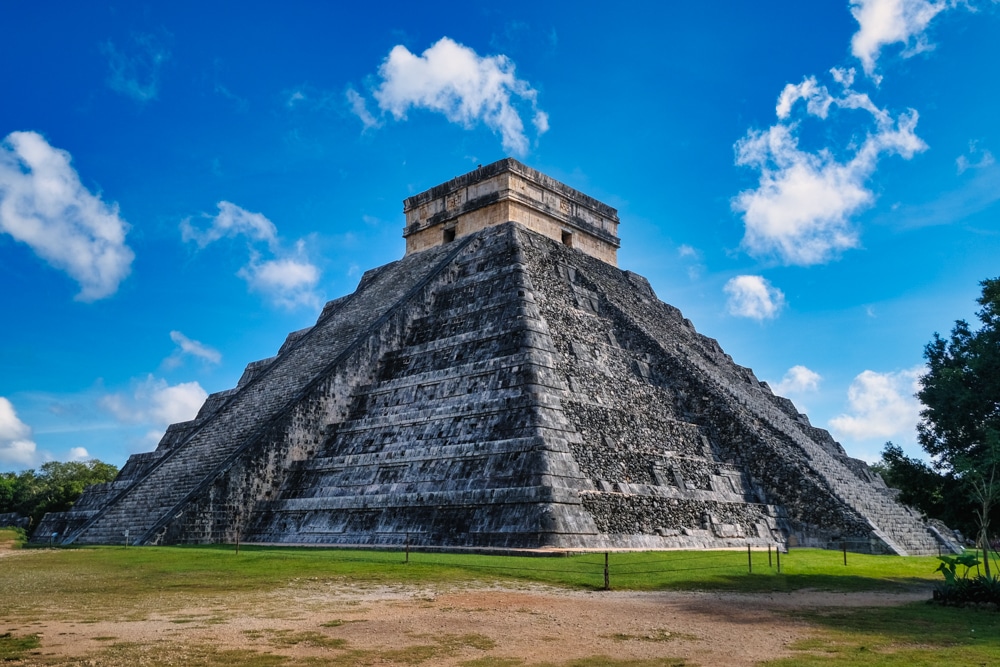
(217, 569)
(913, 635)
(109, 583)
(11, 538)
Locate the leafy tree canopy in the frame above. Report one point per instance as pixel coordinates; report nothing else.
(960, 423)
(53, 488)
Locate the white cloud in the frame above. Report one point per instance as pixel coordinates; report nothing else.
(192, 347)
(692, 256)
(231, 221)
(800, 212)
(135, 71)
(153, 401)
(753, 297)
(16, 445)
(977, 158)
(288, 279)
(77, 454)
(288, 282)
(685, 251)
(818, 98)
(798, 380)
(885, 22)
(881, 405)
(44, 205)
(242, 104)
(359, 107)
(454, 80)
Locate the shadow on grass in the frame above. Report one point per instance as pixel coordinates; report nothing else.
(915, 635)
(768, 583)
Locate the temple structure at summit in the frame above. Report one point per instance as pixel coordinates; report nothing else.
(503, 385)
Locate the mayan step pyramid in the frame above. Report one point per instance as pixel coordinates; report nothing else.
(503, 385)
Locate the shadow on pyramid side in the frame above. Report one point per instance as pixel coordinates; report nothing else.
(501, 390)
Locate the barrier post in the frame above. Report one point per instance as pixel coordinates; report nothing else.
(777, 550)
(843, 545)
(607, 578)
(407, 548)
(769, 556)
(749, 561)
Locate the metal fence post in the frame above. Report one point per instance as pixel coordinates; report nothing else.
(749, 561)
(777, 550)
(607, 578)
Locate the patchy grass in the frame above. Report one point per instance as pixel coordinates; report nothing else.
(605, 661)
(304, 638)
(914, 635)
(127, 654)
(12, 538)
(658, 635)
(14, 648)
(490, 661)
(337, 622)
(86, 585)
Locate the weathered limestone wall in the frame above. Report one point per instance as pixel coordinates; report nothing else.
(508, 191)
(635, 365)
(453, 443)
(253, 413)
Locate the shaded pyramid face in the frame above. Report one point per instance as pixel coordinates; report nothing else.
(502, 390)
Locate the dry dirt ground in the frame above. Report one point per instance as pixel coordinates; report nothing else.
(323, 622)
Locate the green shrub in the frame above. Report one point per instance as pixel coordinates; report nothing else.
(959, 590)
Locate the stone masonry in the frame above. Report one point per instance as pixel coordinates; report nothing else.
(502, 386)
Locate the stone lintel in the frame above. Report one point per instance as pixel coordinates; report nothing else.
(508, 191)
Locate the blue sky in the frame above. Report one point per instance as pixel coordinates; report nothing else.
(813, 184)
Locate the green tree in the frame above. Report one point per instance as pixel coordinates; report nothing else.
(54, 488)
(960, 422)
(937, 494)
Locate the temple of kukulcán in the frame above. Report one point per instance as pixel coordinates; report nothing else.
(503, 385)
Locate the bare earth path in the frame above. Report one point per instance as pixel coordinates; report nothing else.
(447, 625)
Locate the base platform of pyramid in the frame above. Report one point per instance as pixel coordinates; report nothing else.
(502, 386)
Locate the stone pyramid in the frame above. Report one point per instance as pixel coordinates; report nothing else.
(504, 385)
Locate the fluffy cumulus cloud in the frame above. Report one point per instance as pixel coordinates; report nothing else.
(798, 380)
(800, 212)
(134, 70)
(77, 454)
(44, 205)
(285, 277)
(288, 281)
(881, 405)
(885, 22)
(154, 401)
(16, 445)
(753, 297)
(452, 79)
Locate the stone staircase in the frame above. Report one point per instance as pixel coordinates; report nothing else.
(447, 446)
(274, 389)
